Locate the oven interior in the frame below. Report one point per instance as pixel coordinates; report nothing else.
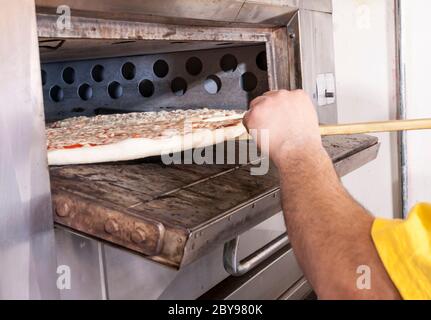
(219, 75)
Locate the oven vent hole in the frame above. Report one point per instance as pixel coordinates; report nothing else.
(115, 90)
(179, 86)
(128, 71)
(146, 88)
(194, 66)
(248, 82)
(69, 75)
(56, 93)
(261, 61)
(98, 73)
(161, 68)
(212, 84)
(85, 92)
(44, 77)
(228, 63)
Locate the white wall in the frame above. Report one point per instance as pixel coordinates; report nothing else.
(418, 72)
(366, 70)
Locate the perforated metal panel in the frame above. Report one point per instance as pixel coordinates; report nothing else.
(225, 78)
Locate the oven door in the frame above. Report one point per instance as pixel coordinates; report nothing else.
(101, 270)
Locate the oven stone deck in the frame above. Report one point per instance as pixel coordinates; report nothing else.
(175, 214)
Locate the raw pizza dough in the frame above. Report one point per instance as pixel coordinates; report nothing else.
(120, 137)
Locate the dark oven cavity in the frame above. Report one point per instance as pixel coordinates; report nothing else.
(227, 78)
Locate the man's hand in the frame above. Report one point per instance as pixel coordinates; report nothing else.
(291, 121)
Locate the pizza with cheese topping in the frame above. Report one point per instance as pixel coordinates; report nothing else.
(119, 137)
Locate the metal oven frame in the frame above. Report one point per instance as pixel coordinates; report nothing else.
(284, 71)
(299, 49)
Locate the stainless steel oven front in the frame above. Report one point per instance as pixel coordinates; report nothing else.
(195, 231)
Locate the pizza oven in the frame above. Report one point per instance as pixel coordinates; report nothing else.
(144, 229)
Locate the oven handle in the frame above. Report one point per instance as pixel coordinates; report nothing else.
(238, 268)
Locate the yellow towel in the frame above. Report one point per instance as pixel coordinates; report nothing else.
(405, 249)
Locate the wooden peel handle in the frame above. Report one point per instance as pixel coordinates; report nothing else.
(370, 127)
(356, 128)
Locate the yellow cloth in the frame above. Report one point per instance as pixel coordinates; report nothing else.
(405, 249)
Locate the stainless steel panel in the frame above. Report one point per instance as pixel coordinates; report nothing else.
(203, 239)
(27, 249)
(259, 236)
(221, 10)
(93, 28)
(317, 56)
(84, 258)
(269, 281)
(130, 276)
(300, 291)
(209, 271)
(265, 13)
(236, 267)
(273, 12)
(316, 5)
(113, 38)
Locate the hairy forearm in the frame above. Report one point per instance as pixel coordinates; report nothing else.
(329, 231)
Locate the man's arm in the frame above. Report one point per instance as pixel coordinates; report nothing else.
(329, 231)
